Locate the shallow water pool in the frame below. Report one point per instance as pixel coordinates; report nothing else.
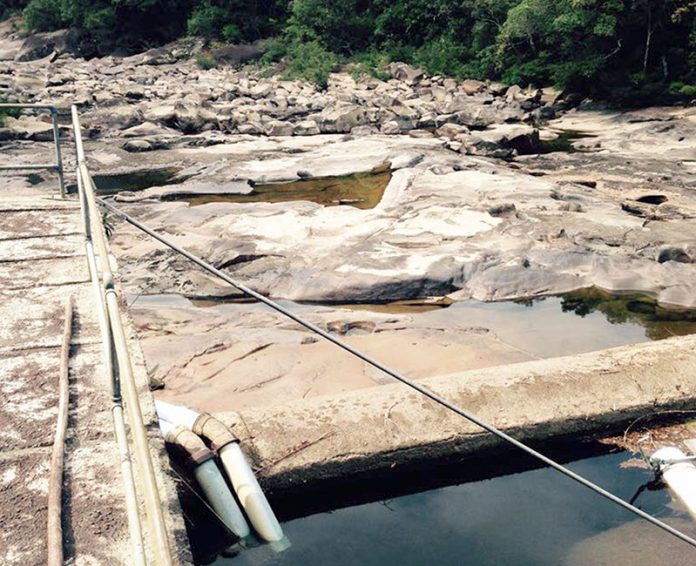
(529, 518)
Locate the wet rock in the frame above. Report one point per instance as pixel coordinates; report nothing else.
(679, 255)
(505, 209)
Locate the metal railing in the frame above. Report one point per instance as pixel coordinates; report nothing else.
(119, 367)
(58, 165)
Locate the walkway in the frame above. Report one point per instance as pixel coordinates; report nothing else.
(42, 263)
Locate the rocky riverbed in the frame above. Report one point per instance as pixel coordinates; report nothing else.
(479, 191)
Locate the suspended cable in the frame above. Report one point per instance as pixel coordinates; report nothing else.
(403, 379)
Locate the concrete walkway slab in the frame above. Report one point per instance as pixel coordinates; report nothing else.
(42, 263)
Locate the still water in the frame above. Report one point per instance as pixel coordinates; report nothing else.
(531, 518)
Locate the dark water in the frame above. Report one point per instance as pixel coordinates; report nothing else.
(361, 190)
(563, 143)
(531, 518)
(108, 185)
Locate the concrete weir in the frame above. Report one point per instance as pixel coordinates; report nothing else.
(375, 429)
(42, 263)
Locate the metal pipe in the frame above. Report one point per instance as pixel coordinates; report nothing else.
(59, 158)
(153, 503)
(22, 105)
(143, 457)
(130, 495)
(403, 379)
(27, 167)
(58, 165)
(55, 481)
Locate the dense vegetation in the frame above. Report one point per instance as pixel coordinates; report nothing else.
(619, 48)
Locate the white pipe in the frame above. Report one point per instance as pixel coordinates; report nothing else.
(220, 498)
(251, 496)
(241, 476)
(680, 476)
(176, 414)
(210, 479)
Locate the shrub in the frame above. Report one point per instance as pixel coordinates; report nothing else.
(4, 112)
(371, 63)
(205, 62)
(206, 21)
(440, 56)
(43, 15)
(311, 62)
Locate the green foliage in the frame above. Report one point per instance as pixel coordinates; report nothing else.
(441, 56)
(344, 27)
(11, 112)
(205, 62)
(310, 61)
(205, 20)
(9, 8)
(680, 89)
(603, 48)
(370, 63)
(43, 15)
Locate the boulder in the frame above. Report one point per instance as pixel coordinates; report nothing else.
(147, 129)
(306, 128)
(278, 128)
(237, 54)
(261, 90)
(451, 131)
(340, 119)
(137, 146)
(392, 127)
(505, 137)
(157, 56)
(498, 89)
(406, 73)
(27, 128)
(471, 86)
(41, 45)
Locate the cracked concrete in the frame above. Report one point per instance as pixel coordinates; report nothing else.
(42, 262)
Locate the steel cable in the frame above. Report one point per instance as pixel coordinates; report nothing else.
(403, 379)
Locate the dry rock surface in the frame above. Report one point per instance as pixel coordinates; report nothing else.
(478, 205)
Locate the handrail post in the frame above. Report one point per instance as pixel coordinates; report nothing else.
(58, 166)
(59, 157)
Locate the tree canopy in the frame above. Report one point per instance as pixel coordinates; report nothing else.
(601, 47)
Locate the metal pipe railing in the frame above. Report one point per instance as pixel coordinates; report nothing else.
(134, 526)
(119, 356)
(58, 165)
